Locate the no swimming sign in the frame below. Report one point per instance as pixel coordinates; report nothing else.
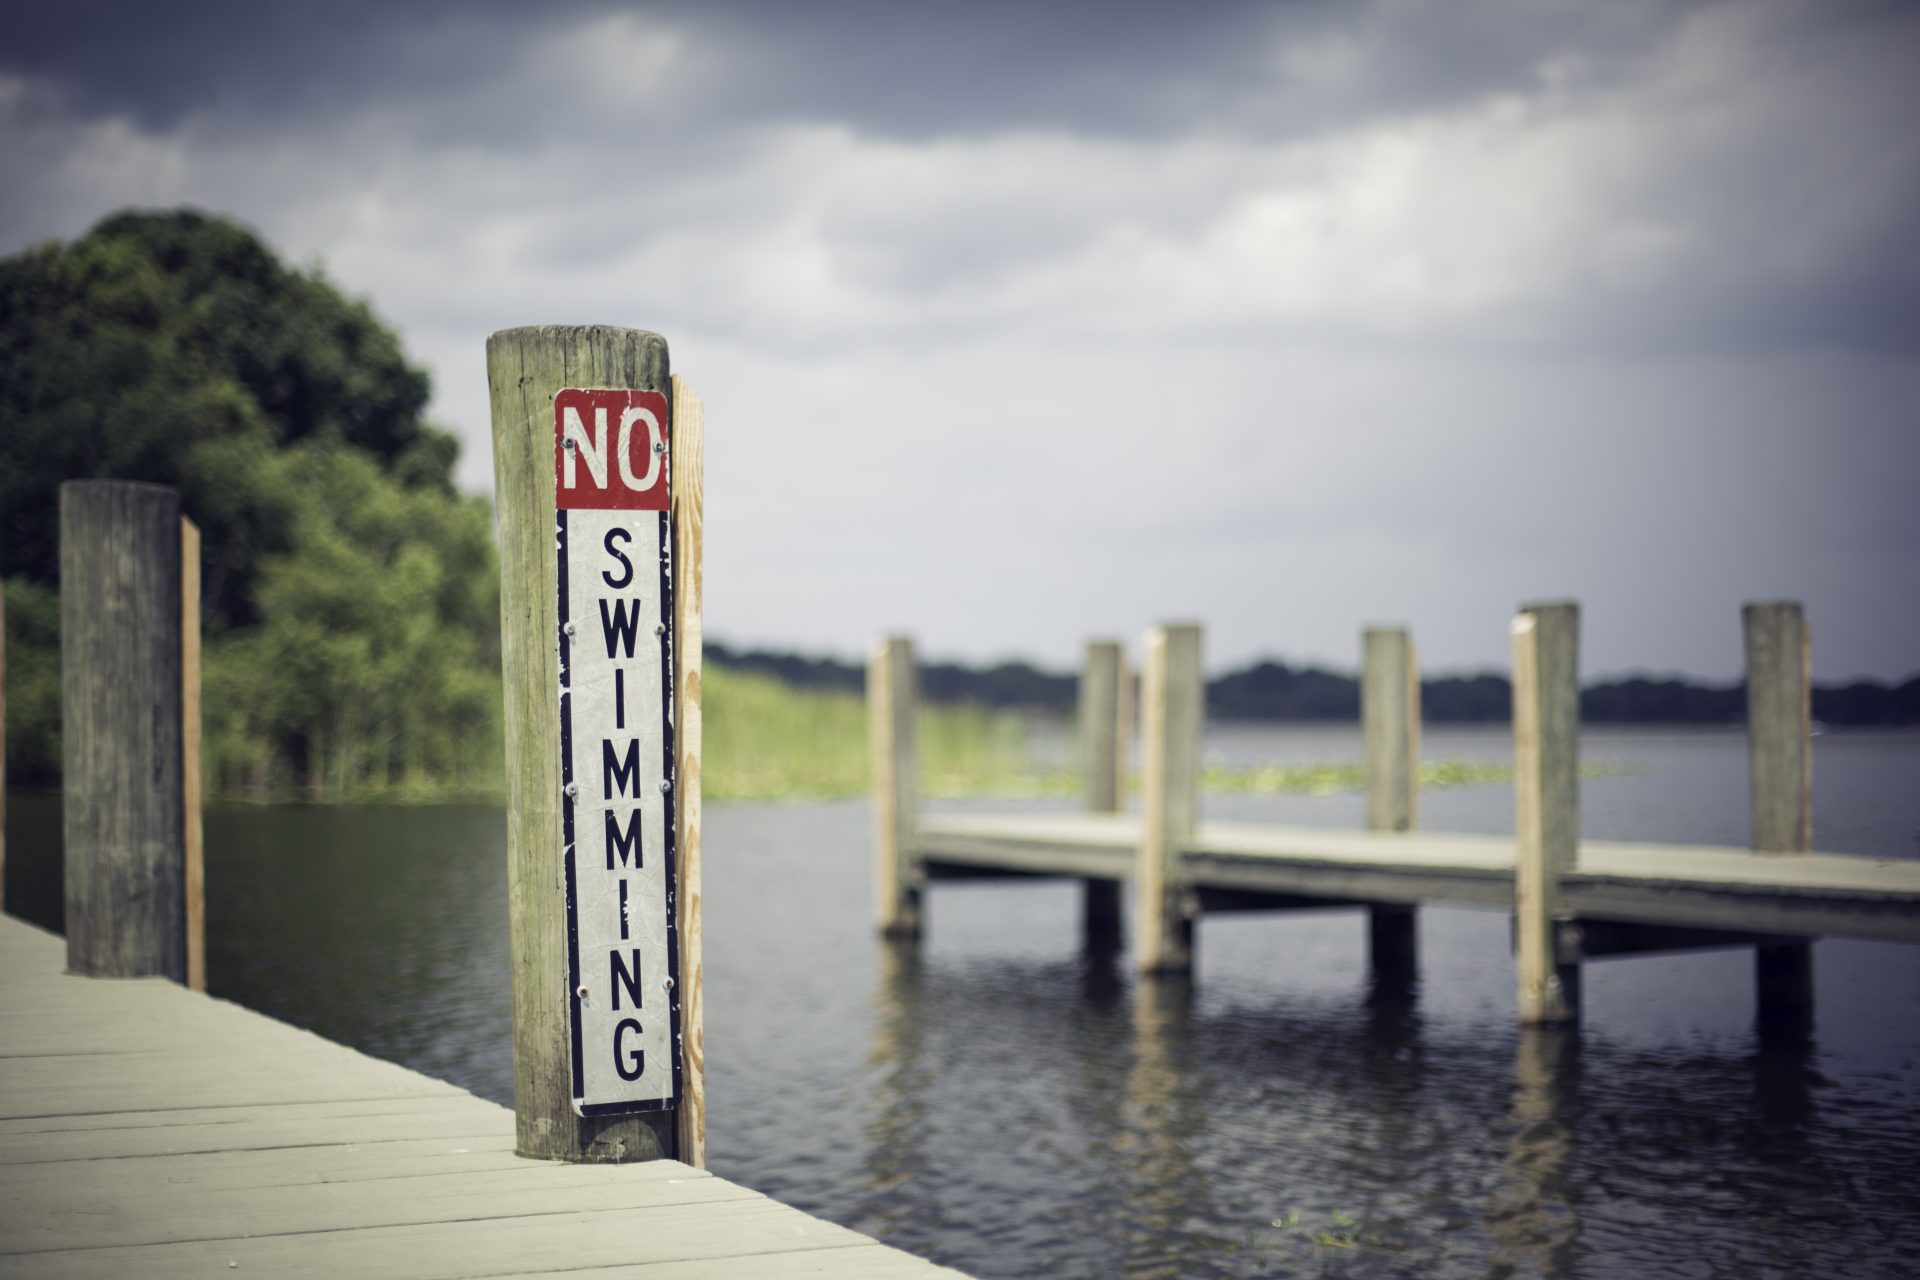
(614, 533)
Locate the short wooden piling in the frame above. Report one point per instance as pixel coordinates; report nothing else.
(1780, 758)
(526, 369)
(121, 682)
(1172, 714)
(1100, 738)
(1546, 783)
(1779, 723)
(893, 712)
(1390, 720)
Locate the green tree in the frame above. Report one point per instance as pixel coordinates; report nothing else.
(174, 347)
(350, 595)
(374, 670)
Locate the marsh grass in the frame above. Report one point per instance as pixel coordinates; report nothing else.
(768, 740)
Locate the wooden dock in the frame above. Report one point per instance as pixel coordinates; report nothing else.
(1248, 866)
(148, 1130)
(1572, 900)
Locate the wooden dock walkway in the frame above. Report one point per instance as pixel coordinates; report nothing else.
(1572, 900)
(147, 1130)
(1253, 866)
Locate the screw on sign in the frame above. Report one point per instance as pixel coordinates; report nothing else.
(614, 629)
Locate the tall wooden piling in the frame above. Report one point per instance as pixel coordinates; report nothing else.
(1779, 725)
(1780, 758)
(526, 370)
(1546, 784)
(893, 698)
(689, 609)
(1390, 722)
(1172, 714)
(120, 668)
(1100, 738)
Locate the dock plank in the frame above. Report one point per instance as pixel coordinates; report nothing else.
(149, 1130)
(546, 1243)
(1809, 894)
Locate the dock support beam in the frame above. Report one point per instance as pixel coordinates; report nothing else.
(1390, 721)
(1546, 785)
(1101, 736)
(192, 775)
(1780, 755)
(526, 369)
(893, 710)
(689, 488)
(1172, 712)
(121, 684)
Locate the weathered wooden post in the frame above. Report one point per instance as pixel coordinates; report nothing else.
(1390, 720)
(1780, 756)
(120, 668)
(1100, 739)
(1172, 714)
(1546, 787)
(893, 709)
(583, 436)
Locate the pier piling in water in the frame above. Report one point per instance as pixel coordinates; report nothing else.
(1546, 789)
(1172, 713)
(1102, 736)
(1780, 755)
(893, 707)
(1390, 728)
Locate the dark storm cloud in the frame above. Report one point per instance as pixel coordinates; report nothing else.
(893, 69)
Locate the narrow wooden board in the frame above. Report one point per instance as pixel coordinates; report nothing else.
(42, 1216)
(231, 1142)
(689, 604)
(1815, 894)
(469, 1246)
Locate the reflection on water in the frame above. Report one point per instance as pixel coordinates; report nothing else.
(896, 1134)
(1163, 1187)
(1532, 1219)
(1004, 1103)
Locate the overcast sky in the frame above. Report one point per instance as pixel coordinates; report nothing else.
(1022, 323)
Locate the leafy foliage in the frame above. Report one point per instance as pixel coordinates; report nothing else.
(350, 597)
(375, 668)
(175, 348)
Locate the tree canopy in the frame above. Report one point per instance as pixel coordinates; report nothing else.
(174, 347)
(350, 595)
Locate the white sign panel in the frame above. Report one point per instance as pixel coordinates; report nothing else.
(615, 544)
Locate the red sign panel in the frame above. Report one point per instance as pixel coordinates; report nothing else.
(610, 450)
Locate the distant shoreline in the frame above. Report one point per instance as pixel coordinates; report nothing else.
(1275, 692)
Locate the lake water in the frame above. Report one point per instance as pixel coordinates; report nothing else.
(997, 1102)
